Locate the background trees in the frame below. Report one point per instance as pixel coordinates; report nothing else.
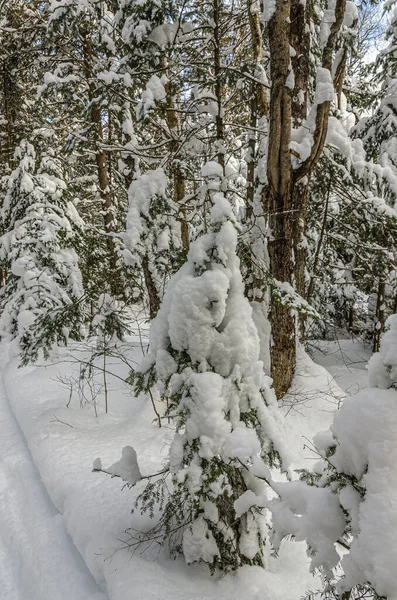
(135, 134)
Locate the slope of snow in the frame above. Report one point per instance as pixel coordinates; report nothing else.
(346, 360)
(38, 560)
(94, 509)
(309, 407)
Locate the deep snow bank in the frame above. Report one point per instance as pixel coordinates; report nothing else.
(96, 512)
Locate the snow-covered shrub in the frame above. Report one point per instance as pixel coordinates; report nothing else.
(204, 351)
(41, 302)
(345, 508)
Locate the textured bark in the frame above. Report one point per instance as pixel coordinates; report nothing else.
(176, 172)
(379, 317)
(300, 41)
(288, 188)
(220, 134)
(154, 300)
(102, 168)
(258, 104)
(283, 349)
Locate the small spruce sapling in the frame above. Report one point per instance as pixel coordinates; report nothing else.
(203, 358)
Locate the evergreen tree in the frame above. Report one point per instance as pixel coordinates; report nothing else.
(41, 302)
(204, 359)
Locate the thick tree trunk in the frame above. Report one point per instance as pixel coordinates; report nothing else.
(283, 348)
(288, 188)
(300, 41)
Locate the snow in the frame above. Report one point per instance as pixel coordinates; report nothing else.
(290, 81)
(365, 429)
(351, 14)
(164, 35)
(383, 365)
(37, 557)
(242, 443)
(324, 86)
(345, 360)
(153, 93)
(212, 169)
(95, 512)
(93, 509)
(246, 501)
(309, 406)
(358, 475)
(194, 548)
(311, 514)
(326, 23)
(269, 8)
(140, 194)
(127, 467)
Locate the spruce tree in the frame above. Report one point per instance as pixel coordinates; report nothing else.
(42, 300)
(203, 358)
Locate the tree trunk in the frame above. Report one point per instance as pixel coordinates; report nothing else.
(220, 134)
(154, 300)
(300, 41)
(113, 274)
(379, 316)
(176, 171)
(288, 188)
(283, 349)
(258, 104)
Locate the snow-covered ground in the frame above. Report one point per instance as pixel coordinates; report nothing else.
(37, 557)
(346, 360)
(63, 527)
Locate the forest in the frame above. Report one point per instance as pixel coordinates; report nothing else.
(198, 299)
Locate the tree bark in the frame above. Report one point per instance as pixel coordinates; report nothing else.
(154, 300)
(220, 134)
(287, 187)
(283, 348)
(379, 316)
(176, 171)
(102, 168)
(258, 104)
